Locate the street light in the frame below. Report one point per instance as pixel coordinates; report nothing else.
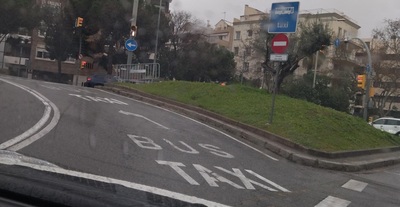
(158, 27)
(368, 74)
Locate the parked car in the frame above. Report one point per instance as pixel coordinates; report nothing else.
(98, 80)
(388, 124)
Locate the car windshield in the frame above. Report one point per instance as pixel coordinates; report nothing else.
(200, 103)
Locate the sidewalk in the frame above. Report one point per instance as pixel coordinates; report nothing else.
(350, 161)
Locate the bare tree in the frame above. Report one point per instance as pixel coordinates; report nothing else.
(385, 49)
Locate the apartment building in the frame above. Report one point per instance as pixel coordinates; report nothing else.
(332, 60)
(222, 34)
(248, 61)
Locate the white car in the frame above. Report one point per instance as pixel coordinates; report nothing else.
(388, 124)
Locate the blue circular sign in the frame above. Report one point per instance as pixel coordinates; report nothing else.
(131, 45)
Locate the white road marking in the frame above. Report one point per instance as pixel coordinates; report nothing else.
(51, 87)
(216, 150)
(29, 137)
(212, 178)
(248, 183)
(127, 184)
(331, 201)
(99, 99)
(355, 185)
(144, 142)
(143, 117)
(198, 122)
(176, 166)
(393, 173)
(190, 151)
(268, 181)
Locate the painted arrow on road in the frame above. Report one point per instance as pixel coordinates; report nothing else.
(143, 117)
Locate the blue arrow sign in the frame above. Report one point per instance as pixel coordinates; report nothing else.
(337, 42)
(284, 17)
(131, 45)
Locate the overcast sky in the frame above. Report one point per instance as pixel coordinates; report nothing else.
(369, 14)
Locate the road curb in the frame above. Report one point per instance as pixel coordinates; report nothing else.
(279, 145)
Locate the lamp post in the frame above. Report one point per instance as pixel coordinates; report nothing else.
(158, 27)
(315, 69)
(368, 73)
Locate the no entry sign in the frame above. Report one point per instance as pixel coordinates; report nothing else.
(279, 43)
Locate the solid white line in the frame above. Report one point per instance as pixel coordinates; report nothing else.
(37, 126)
(331, 201)
(131, 185)
(45, 130)
(355, 185)
(219, 131)
(393, 173)
(143, 117)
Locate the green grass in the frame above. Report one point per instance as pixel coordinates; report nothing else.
(305, 123)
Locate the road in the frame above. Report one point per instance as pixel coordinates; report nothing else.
(96, 132)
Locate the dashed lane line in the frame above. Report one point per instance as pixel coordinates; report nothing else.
(355, 185)
(331, 201)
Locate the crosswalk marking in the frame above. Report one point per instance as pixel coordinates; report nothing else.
(355, 185)
(331, 201)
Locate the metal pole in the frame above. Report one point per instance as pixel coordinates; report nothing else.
(133, 23)
(368, 81)
(80, 61)
(271, 114)
(158, 27)
(315, 69)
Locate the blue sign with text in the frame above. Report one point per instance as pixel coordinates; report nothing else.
(284, 17)
(131, 45)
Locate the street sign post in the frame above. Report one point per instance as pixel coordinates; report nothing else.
(279, 57)
(131, 45)
(279, 43)
(337, 42)
(284, 17)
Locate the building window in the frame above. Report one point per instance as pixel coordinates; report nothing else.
(221, 37)
(248, 51)
(237, 35)
(339, 32)
(236, 50)
(42, 53)
(344, 33)
(246, 66)
(250, 33)
(70, 59)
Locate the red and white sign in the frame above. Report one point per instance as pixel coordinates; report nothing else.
(279, 43)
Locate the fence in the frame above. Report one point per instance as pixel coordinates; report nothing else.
(137, 73)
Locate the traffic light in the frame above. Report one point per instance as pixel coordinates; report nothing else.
(79, 22)
(133, 30)
(361, 81)
(83, 64)
(371, 92)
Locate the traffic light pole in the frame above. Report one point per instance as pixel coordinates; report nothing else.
(79, 55)
(368, 81)
(133, 23)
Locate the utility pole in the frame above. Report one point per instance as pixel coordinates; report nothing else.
(315, 69)
(133, 23)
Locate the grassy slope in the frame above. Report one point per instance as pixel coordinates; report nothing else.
(308, 124)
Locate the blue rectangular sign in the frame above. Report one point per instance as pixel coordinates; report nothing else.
(284, 17)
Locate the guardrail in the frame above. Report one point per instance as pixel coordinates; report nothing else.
(137, 73)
